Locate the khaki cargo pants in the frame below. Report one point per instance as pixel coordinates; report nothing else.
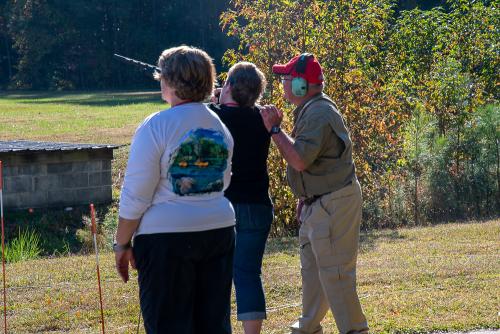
(329, 237)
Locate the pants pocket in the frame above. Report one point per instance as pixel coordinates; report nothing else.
(350, 193)
(321, 244)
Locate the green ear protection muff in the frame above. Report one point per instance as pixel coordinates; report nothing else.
(299, 85)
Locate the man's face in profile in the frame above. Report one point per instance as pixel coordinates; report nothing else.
(286, 81)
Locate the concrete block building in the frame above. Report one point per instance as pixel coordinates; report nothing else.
(48, 174)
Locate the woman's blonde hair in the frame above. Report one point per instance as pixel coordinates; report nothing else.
(188, 70)
(247, 83)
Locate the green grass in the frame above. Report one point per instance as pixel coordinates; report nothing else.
(419, 280)
(109, 117)
(25, 246)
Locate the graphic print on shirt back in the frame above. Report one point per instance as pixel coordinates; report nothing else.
(197, 165)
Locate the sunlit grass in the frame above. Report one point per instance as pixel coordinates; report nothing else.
(109, 117)
(419, 280)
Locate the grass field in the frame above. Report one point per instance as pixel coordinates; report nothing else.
(81, 117)
(445, 277)
(417, 280)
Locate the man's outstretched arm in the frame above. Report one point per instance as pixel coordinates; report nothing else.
(273, 117)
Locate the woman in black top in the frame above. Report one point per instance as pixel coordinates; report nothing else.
(249, 187)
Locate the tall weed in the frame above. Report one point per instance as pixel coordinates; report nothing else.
(25, 247)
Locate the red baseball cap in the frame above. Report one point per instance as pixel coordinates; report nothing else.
(312, 71)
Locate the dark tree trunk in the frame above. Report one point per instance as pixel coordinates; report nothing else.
(457, 171)
(9, 60)
(417, 171)
(498, 173)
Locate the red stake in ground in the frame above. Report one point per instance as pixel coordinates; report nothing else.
(3, 252)
(94, 235)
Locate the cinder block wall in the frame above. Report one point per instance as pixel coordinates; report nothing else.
(56, 178)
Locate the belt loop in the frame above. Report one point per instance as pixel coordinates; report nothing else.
(312, 199)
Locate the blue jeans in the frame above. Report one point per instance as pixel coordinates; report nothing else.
(253, 223)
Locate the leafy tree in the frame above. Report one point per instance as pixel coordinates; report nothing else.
(418, 132)
(472, 190)
(7, 56)
(348, 37)
(473, 41)
(444, 61)
(407, 82)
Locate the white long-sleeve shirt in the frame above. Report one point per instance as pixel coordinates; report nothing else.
(178, 168)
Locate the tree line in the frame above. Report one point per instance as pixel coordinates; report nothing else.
(418, 88)
(61, 45)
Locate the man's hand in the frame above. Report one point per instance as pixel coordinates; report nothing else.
(122, 259)
(271, 116)
(215, 95)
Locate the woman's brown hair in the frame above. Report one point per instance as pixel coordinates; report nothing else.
(247, 83)
(188, 70)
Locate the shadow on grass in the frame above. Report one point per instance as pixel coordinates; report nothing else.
(285, 245)
(92, 99)
(368, 241)
(62, 231)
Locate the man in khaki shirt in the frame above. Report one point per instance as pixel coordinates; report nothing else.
(321, 174)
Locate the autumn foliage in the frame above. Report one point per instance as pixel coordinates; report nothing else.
(404, 81)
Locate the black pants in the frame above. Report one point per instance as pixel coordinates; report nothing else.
(185, 281)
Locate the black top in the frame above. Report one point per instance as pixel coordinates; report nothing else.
(249, 180)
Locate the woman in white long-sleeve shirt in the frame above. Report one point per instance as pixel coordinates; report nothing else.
(172, 204)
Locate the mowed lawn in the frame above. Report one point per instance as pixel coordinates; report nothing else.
(109, 117)
(445, 277)
(419, 280)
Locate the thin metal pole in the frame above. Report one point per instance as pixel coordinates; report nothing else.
(94, 233)
(3, 252)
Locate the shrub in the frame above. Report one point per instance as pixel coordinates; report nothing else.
(25, 247)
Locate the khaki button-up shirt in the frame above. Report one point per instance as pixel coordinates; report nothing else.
(323, 143)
